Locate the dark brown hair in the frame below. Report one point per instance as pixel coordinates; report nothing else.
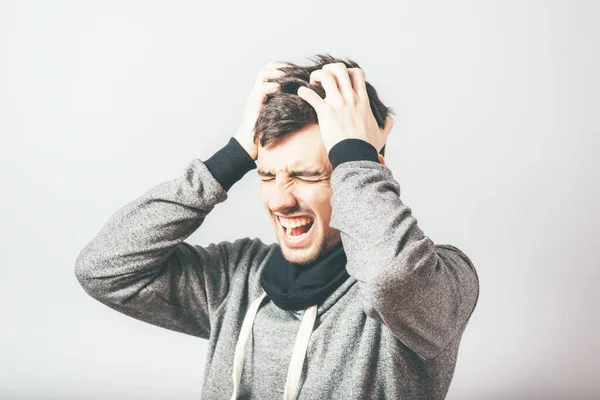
(285, 112)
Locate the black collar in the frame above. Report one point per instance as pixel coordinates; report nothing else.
(298, 286)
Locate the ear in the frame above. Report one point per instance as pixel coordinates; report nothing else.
(381, 159)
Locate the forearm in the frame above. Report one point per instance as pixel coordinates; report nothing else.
(423, 292)
(132, 246)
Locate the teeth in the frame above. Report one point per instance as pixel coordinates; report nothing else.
(289, 223)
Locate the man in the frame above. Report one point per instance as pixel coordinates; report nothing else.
(353, 302)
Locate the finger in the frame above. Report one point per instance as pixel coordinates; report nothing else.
(263, 89)
(273, 74)
(342, 78)
(274, 69)
(328, 82)
(311, 97)
(271, 71)
(357, 77)
(270, 87)
(269, 74)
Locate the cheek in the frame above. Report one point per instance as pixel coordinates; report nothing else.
(265, 194)
(318, 199)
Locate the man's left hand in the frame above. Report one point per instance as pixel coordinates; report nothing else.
(345, 111)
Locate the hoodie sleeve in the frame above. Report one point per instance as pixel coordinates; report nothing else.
(423, 292)
(139, 264)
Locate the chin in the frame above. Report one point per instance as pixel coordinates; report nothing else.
(308, 254)
(299, 256)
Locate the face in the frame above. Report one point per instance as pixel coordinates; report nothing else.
(295, 187)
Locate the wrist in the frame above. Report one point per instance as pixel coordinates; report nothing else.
(229, 164)
(249, 148)
(352, 149)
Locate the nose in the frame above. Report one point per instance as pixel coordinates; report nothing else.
(282, 198)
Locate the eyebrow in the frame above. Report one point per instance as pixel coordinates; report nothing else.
(305, 173)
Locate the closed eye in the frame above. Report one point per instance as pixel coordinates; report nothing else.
(296, 178)
(307, 180)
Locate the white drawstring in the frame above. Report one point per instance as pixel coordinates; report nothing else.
(300, 347)
(240, 347)
(298, 354)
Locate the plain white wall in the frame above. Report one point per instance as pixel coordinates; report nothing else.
(494, 148)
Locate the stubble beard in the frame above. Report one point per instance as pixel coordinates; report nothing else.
(301, 256)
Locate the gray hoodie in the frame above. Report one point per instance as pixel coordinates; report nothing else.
(390, 331)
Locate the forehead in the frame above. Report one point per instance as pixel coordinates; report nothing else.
(300, 149)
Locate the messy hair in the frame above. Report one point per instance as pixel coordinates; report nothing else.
(285, 112)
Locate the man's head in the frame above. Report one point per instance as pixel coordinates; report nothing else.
(294, 167)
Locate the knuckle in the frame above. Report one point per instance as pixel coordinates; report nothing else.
(359, 72)
(335, 66)
(263, 87)
(314, 76)
(272, 87)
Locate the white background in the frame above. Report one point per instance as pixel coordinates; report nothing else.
(495, 148)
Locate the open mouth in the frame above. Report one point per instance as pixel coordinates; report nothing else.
(296, 228)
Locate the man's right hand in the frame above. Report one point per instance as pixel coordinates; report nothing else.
(245, 132)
